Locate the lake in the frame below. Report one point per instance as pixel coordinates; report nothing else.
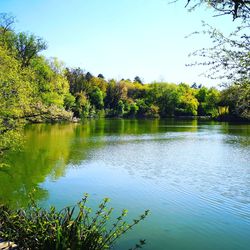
(194, 176)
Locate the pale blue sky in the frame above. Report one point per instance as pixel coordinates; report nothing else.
(119, 38)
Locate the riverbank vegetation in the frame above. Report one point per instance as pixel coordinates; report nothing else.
(39, 89)
(76, 227)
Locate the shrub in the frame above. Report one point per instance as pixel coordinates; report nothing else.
(74, 227)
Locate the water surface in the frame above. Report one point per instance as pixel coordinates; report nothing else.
(193, 175)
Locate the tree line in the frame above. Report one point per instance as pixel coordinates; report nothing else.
(38, 89)
(41, 89)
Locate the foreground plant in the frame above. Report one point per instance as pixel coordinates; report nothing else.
(74, 227)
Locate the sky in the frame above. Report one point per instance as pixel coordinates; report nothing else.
(120, 38)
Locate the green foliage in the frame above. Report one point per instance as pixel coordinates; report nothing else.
(116, 91)
(153, 112)
(15, 99)
(7, 36)
(51, 84)
(76, 80)
(82, 107)
(36, 89)
(166, 96)
(74, 227)
(120, 108)
(133, 108)
(33, 87)
(237, 98)
(15, 86)
(143, 107)
(208, 101)
(187, 103)
(27, 47)
(69, 101)
(201, 95)
(96, 98)
(212, 100)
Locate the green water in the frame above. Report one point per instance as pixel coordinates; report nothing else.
(194, 176)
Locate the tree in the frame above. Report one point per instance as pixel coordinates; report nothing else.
(115, 93)
(236, 8)
(96, 98)
(138, 79)
(194, 86)
(187, 103)
(6, 23)
(76, 80)
(82, 105)
(101, 76)
(50, 82)
(229, 58)
(143, 108)
(98, 82)
(88, 76)
(133, 108)
(165, 96)
(69, 101)
(23, 45)
(7, 35)
(153, 111)
(15, 99)
(28, 47)
(120, 108)
(31, 87)
(237, 98)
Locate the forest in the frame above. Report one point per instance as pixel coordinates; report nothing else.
(39, 89)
